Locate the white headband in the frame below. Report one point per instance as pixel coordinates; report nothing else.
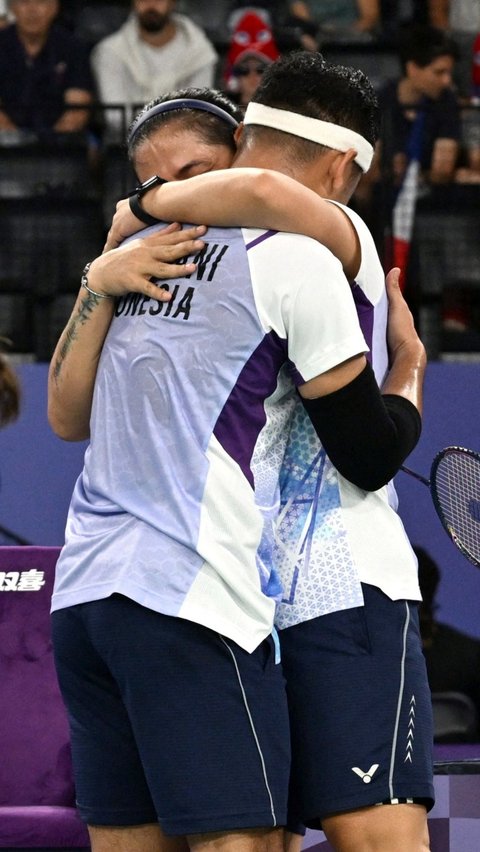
(322, 132)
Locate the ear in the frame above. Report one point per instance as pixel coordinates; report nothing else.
(341, 169)
(238, 134)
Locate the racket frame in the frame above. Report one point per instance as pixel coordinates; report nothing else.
(453, 450)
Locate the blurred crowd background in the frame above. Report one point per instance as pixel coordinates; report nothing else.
(73, 74)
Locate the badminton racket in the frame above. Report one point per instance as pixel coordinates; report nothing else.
(455, 489)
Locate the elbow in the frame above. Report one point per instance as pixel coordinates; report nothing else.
(66, 429)
(368, 480)
(266, 189)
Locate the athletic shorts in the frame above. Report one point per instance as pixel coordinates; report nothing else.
(171, 722)
(360, 710)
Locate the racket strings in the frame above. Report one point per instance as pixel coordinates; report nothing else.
(456, 491)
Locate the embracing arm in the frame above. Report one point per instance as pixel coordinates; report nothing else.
(367, 434)
(73, 368)
(71, 376)
(250, 198)
(74, 120)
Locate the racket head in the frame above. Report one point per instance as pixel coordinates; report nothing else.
(455, 489)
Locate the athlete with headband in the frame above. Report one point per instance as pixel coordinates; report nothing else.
(398, 306)
(338, 580)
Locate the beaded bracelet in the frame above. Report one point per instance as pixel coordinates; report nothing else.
(84, 283)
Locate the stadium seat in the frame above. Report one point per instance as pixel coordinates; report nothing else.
(454, 717)
(37, 800)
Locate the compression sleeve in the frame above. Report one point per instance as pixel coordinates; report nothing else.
(366, 436)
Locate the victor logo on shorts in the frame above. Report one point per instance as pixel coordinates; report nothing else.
(366, 776)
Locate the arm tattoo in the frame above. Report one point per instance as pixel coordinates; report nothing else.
(87, 306)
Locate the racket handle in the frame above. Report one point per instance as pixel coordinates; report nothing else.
(416, 475)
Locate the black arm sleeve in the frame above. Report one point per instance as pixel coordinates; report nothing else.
(366, 435)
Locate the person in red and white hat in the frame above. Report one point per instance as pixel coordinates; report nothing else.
(252, 49)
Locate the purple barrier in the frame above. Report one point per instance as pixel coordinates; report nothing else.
(38, 472)
(37, 797)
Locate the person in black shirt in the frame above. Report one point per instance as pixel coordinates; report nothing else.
(44, 70)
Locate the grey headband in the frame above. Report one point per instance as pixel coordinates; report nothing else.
(177, 104)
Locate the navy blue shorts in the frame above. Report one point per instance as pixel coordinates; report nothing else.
(360, 710)
(171, 722)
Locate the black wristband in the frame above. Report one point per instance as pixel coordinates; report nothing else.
(147, 185)
(138, 193)
(139, 212)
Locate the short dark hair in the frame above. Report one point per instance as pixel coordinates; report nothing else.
(424, 44)
(210, 128)
(305, 83)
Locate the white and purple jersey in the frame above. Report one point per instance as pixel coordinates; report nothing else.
(176, 503)
(330, 535)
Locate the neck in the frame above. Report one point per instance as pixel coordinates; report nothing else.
(32, 44)
(263, 157)
(407, 93)
(313, 175)
(161, 38)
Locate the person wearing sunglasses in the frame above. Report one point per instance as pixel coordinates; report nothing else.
(252, 50)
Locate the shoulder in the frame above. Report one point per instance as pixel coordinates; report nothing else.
(292, 259)
(8, 36)
(283, 242)
(387, 95)
(63, 39)
(110, 43)
(448, 99)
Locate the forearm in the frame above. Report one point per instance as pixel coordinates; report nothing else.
(444, 160)
(438, 13)
(73, 368)
(408, 359)
(407, 373)
(5, 122)
(74, 118)
(368, 14)
(227, 197)
(256, 198)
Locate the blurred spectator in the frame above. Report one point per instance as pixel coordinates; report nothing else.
(251, 49)
(461, 18)
(427, 57)
(154, 51)
(419, 147)
(339, 20)
(287, 30)
(419, 106)
(471, 122)
(43, 71)
(452, 657)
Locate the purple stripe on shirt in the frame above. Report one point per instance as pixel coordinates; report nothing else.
(243, 415)
(260, 239)
(365, 311)
(297, 377)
